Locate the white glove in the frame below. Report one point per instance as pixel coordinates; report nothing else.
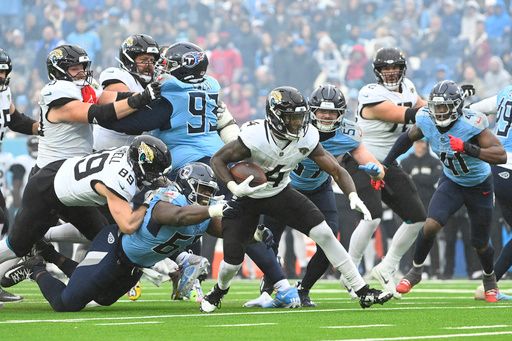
(357, 204)
(228, 209)
(243, 189)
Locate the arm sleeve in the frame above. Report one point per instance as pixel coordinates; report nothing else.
(20, 123)
(402, 144)
(149, 118)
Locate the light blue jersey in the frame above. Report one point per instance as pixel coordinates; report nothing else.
(460, 168)
(153, 242)
(308, 176)
(193, 128)
(504, 118)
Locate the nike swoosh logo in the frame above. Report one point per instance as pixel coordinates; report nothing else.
(47, 94)
(8, 273)
(385, 280)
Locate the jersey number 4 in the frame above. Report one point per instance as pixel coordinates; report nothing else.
(198, 108)
(450, 163)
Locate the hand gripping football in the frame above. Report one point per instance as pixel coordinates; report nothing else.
(241, 170)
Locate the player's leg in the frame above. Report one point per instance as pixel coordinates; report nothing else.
(447, 199)
(372, 199)
(479, 202)
(236, 233)
(401, 195)
(298, 212)
(502, 178)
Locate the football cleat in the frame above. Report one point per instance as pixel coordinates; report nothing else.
(288, 298)
(305, 300)
(503, 297)
(412, 278)
(404, 286)
(212, 300)
(491, 295)
(20, 271)
(374, 296)
(192, 268)
(480, 293)
(386, 280)
(135, 292)
(6, 296)
(263, 300)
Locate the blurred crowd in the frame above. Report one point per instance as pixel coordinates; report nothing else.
(254, 45)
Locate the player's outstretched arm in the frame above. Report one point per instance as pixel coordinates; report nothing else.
(127, 220)
(390, 112)
(366, 159)
(231, 152)
(402, 144)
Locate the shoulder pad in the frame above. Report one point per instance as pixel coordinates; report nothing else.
(214, 84)
(372, 93)
(475, 119)
(312, 137)
(409, 84)
(60, 89)
(352, 130)
(114, 73)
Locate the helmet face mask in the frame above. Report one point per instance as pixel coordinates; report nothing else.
(150, 160)
(445, 103)
(135, 56)
(287, 113)
(389, 67)
(197, 182)
(62, 58)
(5, 66)
(185, 61)
(328, 106)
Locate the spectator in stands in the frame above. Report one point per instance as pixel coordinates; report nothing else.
(86, 38)
(496, 78)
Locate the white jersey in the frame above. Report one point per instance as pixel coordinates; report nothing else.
(379, 136)
(6, 160)
(5, 105)
(105, 138)
(76, 177)
(277, 162)
(62, 140)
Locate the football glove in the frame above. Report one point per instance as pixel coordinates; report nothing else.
(372, 169)
(226, 209)
(377, 184)
(468, 90)
(264, 235)
(357, 204)
(244, 189)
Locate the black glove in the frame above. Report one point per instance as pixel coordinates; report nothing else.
(468, 90)
(264, 235)
(231, 209)
(140, 100)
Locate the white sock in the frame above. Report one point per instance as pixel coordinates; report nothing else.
(360, 239)
(336, 254)
(299, 248)
(226, 274)
(402, 241)
(282, 285)
(65, 233)
(81, 251)
(7, 265)
(5, 251)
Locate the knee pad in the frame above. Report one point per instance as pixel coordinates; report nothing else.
(233, 252)
(321, 233)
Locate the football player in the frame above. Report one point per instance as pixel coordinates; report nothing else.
(501, 105)
(385, 110)
(175, 218)
(338, 136)
(464, 144)
(137, 57)
(73, 189)
(278, 144)
(10, 118)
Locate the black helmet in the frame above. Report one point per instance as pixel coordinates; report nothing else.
(445, 103)
(32, 146)
(197, 182)
(64, 56)
(150, 159)
(133, 46)
(5, 65)
(185, 61)
(327, 97)
(283, 104)
(389, 56)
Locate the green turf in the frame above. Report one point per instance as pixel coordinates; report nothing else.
(434, 308)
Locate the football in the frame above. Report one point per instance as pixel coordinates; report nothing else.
(241, 170)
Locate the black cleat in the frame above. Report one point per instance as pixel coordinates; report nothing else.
(212, 300)
(6, 296)
(373, 296)
(20, 271)
(305, 300)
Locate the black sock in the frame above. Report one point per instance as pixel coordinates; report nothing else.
(504, 261)
(422, 248)
(68, 266)
(317, 266)
(363, 290)
(486, 259)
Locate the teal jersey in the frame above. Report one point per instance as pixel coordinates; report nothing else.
(462, 169)
(308, 176)
(153, 242)
(193, 122)
(504, 118)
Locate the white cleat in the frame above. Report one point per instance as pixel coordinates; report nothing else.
(263, 300)
(480, 293)
(386, 280)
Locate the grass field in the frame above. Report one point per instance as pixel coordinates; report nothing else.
(435, 310)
